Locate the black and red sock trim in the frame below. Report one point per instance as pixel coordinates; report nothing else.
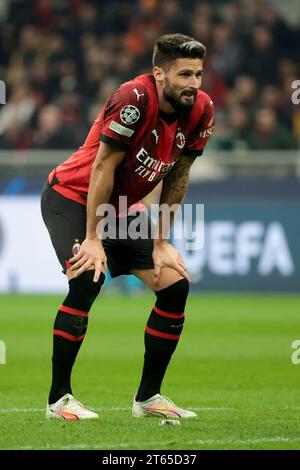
(166, 325)
(69, 330)
(71, 326)
(162, 334)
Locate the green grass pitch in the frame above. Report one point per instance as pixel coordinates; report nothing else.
(233, 366)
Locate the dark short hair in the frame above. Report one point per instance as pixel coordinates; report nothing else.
(170, 47)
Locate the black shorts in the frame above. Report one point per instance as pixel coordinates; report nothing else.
(66, 223)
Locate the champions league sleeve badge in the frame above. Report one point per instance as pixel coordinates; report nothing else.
(129, 114)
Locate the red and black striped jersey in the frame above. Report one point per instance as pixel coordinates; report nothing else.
(153, 141)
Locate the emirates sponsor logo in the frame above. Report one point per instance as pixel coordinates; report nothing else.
(151, 169)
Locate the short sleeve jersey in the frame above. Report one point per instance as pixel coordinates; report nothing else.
(153, 141)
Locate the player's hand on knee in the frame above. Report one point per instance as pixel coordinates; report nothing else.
(164, 254)
(91, 254)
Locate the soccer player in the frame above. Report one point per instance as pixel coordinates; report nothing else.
(150, 129)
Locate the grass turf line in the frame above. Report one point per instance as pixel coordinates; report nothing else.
(233, 363)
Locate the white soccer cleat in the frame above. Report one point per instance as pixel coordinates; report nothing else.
(159, 405)
(67, 407)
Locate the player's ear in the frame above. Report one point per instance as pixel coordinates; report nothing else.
(159, 75)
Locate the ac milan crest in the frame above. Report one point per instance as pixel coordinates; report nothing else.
(180, 140)
(76, 247)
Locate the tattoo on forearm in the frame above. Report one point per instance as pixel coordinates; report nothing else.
(178, 178)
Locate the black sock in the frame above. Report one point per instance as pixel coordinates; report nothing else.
(68, 334)
(69, 331)
(162, 334)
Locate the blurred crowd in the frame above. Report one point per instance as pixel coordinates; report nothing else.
(61, 59)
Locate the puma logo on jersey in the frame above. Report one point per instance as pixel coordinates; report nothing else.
(138, 95)
(155, 133)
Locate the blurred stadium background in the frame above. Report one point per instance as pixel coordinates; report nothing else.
(60, 60)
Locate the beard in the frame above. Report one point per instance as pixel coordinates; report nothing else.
(176, 101)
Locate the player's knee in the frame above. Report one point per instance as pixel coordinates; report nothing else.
(83, 290)
(174, 296)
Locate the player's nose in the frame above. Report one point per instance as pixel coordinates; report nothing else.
(194, 82)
